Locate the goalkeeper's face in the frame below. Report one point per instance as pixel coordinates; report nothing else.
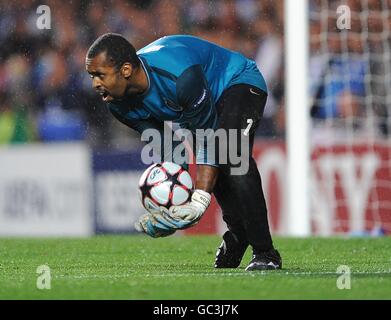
(109, 82)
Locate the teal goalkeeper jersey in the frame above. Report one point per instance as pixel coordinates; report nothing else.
(186, 77)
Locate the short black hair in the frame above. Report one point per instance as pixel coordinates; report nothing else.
(118, 50)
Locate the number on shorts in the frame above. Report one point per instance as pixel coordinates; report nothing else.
(250, 123)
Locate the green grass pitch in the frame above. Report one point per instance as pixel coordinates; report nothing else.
(181, 267)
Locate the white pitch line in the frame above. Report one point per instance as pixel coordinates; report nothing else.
(212, 274)
(268, 273)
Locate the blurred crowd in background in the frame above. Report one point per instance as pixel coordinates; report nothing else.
(46, 95)
(350, 68)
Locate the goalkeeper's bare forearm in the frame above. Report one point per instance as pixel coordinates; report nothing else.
(206, 177)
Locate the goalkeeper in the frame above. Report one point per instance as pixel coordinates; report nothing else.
(198, 85)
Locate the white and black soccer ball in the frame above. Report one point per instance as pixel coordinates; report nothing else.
(165, 184)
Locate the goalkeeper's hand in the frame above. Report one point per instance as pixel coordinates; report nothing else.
(165, 222)
(190, 213)
(154, 225)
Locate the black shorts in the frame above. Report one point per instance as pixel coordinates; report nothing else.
(240, 107)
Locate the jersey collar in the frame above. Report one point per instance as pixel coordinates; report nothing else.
(147, 70)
